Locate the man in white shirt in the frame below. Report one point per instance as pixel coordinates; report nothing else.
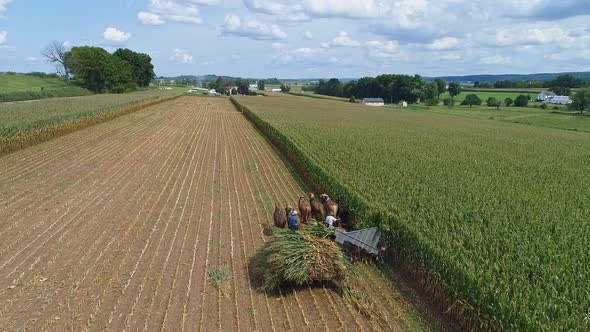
(330, 220)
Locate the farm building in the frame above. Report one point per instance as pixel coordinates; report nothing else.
(403, 103)
(373, 102)
(559, 100)
(544, 95)
(275, 90)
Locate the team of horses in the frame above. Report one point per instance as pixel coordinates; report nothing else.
(313, 210)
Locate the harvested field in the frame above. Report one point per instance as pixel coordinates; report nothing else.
(148, 221)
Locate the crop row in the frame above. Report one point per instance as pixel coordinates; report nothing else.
(490, 221)
(26, 123)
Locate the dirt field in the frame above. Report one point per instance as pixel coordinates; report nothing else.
(117, 226)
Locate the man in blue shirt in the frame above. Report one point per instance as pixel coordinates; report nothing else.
(293, 220)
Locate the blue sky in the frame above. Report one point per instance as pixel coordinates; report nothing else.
(309, 38)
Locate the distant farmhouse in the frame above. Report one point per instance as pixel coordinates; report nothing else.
(549, 97)
(544, 95)
(373, 102)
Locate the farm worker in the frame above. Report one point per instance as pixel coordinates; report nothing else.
(330, 220)
(293, 220)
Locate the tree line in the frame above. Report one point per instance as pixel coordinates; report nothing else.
(392, 88)
(561, 85)
(99, 71)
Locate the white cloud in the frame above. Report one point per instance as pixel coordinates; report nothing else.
(250, 28)
(343, 40)
(444, 43)
(537, 34)
(495, 60)
(115, 36)
(3, 36)
(308, 35)
(175, 11)
(4, 5)
(67, 44)
(150, 18)
(302, 55)
(317, 8)
(182, 56)
(385, 51)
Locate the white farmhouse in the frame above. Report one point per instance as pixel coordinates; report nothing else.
(559, 100)
(544, 95)
(373, 102)
(276, 90)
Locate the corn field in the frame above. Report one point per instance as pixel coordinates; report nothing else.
(494, 218)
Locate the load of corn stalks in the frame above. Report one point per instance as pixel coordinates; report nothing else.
(307, 256)
(300, 257)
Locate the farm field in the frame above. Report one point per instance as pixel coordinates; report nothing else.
(527, 116)
(131, 224)
(14, 87)
(484, 95)
(495, 213)
(22, 123)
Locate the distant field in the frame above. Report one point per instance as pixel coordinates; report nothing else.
(22, 123)
(523, 115)
(15, 87)
(484, 95)
(492, 213)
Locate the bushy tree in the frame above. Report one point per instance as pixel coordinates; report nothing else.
(285, 88)
(450, 102)
(581, 101)
(561, 90)
(143, 69)
(471, 100)
(454, 89)
(430, 91)
(521, 101)
(493, 102)
(508, 102)
(441, 85)
(99, 71)
(261, 85)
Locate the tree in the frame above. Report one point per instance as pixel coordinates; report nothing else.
(568, 81)
(143, 70)
(56, 52)
(261, 85)
(449, 102)
(476, 84)
(430, 91)
(581, 101)
(561, 90)
(493, 102)
(521, 101)
(441, 85)
(471, 100)
(508, 101)
(99, 71)
(243, 89)
(285, 88)
(454, 89)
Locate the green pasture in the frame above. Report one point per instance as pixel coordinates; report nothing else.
(16, 87)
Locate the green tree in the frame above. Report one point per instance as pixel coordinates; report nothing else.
(441, 85)
(430, 91)
(454, 89)
(143, 70)
(99, 71)
(285, 88)
(471, 100)
(521, 101)
(493, 102)
(261, 85)
(581, 101)
(508, 101)
(561, 90)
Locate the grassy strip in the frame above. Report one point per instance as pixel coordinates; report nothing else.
(438, 278)
(42, 94)
(317, 96)
(40, 134)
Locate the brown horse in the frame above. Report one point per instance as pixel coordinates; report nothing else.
(304, 209)
(330, 206)
(317, 209)
(280, 218)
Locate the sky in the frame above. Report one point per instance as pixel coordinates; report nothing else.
(308, 38)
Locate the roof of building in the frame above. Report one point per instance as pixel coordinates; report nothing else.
(547, 93)
(373, 100)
